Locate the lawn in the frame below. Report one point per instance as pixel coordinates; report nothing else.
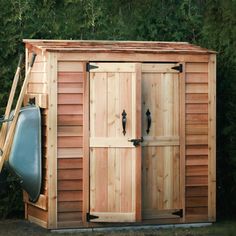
(23, 228)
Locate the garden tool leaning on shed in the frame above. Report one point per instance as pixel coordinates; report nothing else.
(22, 147)
(6, 117)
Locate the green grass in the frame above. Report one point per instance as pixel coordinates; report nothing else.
(23, 228)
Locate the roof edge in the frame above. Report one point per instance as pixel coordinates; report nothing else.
(51, 44)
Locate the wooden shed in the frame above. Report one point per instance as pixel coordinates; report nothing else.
(128, 130)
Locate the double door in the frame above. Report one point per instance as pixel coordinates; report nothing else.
(134, 142)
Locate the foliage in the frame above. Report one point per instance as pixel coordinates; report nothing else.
(219, 33)
(10, 196)
(210, 23)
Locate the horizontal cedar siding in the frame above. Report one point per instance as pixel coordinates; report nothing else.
(70, 141)
(37, 213)
(38, 85)
(196, 141)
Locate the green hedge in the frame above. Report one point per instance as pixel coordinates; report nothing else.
(209, 23)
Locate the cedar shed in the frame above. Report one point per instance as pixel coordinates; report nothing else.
(128, 133)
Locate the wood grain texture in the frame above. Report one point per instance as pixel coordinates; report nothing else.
(114, 181)
(38, 213)
(117, 46)
(197, 98)
(138, 164)
(71, 185)
(198, 86)
(212, 140)
(37, 88)
(69, 216)
(70, 152)
(197, 181)
(200, 67)
(52, 140)
(161, 147)
(131, 57)
(86, 173)
(37, 221)
(69, 196)
(183, 79)
(38, 77)
(70, 77)
(70, 141)
(196, 78)
(70, 66)
(41, 203)
(69, 207)
(70, 174)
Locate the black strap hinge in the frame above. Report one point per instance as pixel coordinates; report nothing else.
(90, 67)
(178, 68)
(91, 217)
(178, 213)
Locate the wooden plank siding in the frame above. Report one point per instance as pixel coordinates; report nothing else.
(37, 87)
(70, 143)
(196, 129)
(61, 87)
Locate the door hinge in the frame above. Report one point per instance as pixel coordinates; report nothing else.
(178, 213)
(179, 68)
(90, 67)
(91, 217)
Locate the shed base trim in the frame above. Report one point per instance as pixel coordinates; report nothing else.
(133, 228)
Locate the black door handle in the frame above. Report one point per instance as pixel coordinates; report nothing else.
(136, 142)
(149, 120)
(124, 121)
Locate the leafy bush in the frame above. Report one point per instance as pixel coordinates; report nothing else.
(209, 23)
(10, 196)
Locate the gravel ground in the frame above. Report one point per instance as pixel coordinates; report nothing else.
(24, 228)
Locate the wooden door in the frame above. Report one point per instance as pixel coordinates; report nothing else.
(160, 150)
(115, 163)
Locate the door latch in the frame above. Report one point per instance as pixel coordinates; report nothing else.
(136, 142)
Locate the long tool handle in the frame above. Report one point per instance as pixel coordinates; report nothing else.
(10, 135)
(10, 102)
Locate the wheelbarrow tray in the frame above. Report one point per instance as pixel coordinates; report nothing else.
(25, 159)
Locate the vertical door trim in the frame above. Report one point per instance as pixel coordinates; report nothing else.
(85, 145)
(182, 118)
(139, 148)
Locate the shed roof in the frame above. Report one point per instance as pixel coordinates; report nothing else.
(116, 46)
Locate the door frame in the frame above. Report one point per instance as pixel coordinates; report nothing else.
(86, 135)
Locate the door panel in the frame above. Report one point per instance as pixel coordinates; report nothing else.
(160, 150)
(115, 164)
